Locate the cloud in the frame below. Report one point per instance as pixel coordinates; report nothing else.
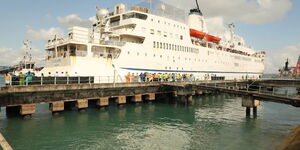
(11, 57)
(276, 59)
(75, 20)
(249, 11)
(216, 25)
(43, 34)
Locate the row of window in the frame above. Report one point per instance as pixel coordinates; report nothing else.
(169, 24)
(166, 34)
(174, 47)
(179, 58)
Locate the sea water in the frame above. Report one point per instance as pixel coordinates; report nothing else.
(212, 122)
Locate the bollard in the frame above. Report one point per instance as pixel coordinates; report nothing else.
(79, 80)
(41, 80)
(259, 89)
(67, 79)
(247, 87)
(273, 91)
(55, 80)
(89, 80)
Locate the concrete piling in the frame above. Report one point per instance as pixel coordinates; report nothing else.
(57, 107)
(82, 104)
(249, 102)
(103, 101)
(136, 98)
(27, 110)
(121, 100)
(150, 97)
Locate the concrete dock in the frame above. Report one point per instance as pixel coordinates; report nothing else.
(4, 144)
(23, 99)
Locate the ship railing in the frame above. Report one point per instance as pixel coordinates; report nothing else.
(54, 80)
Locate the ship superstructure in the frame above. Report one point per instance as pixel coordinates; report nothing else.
(137, 40)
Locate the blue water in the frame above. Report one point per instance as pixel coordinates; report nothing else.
(210, 123)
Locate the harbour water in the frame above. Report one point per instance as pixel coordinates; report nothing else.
(212, 122)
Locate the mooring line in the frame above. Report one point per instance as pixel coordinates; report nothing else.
(4, 143)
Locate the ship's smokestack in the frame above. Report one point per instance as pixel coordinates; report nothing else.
(196, 20)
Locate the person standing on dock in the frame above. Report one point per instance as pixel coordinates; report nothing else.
(29, 77)
(21, 79)
(7, 79)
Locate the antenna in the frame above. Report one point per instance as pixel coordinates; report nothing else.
(198, 8)
(197, 5)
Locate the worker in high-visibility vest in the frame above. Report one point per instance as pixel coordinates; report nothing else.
(7, 79)
(22, 78)
(166, 76)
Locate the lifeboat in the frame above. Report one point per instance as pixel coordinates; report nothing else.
(197, 34)
(212, 38)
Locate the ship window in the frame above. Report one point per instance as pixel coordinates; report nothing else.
(170, 47)
(152, 31)
(167, 46)
(164, 46)
(165, 34)
(181, 37)
(154, 44)
(115, 21)
(78, 50)
(98, 51)
(173, 47)
(135, 15)
(159, 33)
(157, 44)
(160, 45)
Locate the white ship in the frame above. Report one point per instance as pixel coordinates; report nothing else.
(140, 39)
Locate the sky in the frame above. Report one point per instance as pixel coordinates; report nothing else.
(269, 25)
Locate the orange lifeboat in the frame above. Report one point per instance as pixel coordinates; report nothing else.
(197, 34)
(212, 38)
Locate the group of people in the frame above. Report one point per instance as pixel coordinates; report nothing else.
(21, 78)
(158, 77)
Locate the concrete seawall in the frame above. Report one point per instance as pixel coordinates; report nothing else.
(292, 142)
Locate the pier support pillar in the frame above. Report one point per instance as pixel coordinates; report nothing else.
(174, 94)
(82, 104)
(249, 102)
(103, 101)
(150, 97)
(199, 92)
(57, 107)
(189, 98)
(254, 111)
(121, 100)
(27, 110)
(137, 98)
(248, 110)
